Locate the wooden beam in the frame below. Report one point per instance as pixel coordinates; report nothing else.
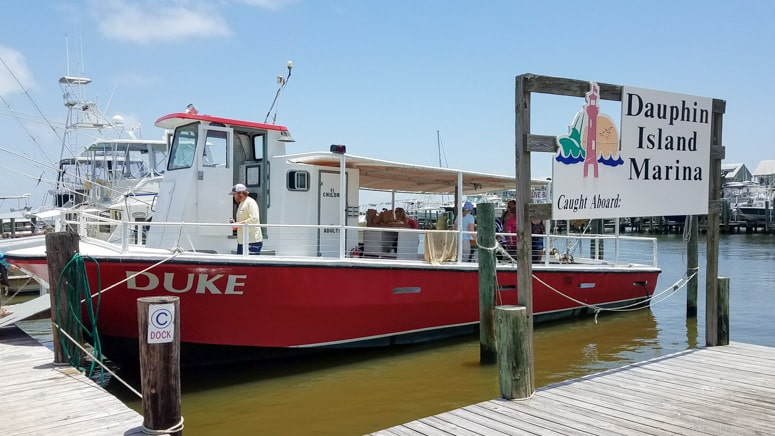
(542, 143)
(570, 87)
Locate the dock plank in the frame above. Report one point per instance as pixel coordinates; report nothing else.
(705, 391)
(41, 398)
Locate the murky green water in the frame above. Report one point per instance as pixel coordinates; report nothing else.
(352, 393)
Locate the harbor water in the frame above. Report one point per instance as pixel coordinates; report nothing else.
(357, 392)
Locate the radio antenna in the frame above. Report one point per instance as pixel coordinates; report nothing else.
(281, 82)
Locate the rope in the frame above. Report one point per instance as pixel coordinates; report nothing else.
(491, 251)
(174, 429)
(640, 305)
(177, 252)
(77, 275)
(16, 292)
(101, 364)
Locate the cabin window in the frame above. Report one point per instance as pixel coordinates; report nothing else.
(298, 181)
(183, 148)
(258, 147)
(215, 149)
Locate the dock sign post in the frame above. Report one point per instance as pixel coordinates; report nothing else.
(159, 343)
(161, 323)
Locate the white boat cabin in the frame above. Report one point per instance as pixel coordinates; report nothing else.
(208, 155)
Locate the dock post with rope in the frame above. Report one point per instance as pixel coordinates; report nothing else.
(487, 282)
(60, 248)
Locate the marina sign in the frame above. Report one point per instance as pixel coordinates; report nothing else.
(658, 165)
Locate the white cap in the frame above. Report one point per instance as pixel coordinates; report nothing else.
(239, 187)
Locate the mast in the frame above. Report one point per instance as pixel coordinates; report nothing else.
(438, 145)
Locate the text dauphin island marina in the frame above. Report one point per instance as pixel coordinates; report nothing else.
(649, 139)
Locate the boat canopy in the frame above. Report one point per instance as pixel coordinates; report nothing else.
(383, 175)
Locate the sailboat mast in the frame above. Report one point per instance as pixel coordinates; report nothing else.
(438, 146)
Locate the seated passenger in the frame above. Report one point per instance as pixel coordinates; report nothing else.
(406, 221)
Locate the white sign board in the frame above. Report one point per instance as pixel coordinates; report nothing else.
(161, 323)
(658, 166)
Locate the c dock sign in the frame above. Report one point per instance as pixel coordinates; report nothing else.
(161, 323)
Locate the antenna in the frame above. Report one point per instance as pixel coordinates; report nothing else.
(281, 81)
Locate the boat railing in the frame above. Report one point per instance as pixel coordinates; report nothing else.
(601, 248)
(399, 243)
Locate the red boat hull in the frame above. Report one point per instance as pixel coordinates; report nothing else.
(338, 304)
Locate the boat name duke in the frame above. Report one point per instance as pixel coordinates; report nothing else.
(582, 202)
(199, 283)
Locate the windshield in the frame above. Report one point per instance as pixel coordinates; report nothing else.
(183, 147)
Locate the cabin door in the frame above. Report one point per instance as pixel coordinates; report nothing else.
(214, 179)
(328, 214)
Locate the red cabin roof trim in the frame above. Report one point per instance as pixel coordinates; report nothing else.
(172, 121)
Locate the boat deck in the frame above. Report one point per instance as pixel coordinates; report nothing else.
(710, 391)
(40, 398)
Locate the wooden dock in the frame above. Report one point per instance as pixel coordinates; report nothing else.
(40, 399)
(721, 390)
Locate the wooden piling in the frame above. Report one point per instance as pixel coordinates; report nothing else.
(485, 214)
(514, 369)
(523, 196)
(692, 266)
(158, 321)
(60, 248)
(722, 314)
(714, 213)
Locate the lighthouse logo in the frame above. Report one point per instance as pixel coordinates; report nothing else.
(592, 139)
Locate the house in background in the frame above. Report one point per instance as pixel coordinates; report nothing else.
(765, 173)
(736, 172)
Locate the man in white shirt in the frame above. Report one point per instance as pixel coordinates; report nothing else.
(247, 213)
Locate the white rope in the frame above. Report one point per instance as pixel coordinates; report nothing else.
(173, 255)
(16, 292)
(60, 330)
(491, 252)
(640, 305)
(627, 308)
(174, 429)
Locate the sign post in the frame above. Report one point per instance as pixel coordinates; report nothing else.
(159, 338)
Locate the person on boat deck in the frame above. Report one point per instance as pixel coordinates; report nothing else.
(4, 267)
(402, 218)
(510, 226)
(247, 213)
(468, 226)
(537, 228)
(499, 228)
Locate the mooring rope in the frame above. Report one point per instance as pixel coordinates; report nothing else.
(655, 298)
(113, 374)
(174, 429)
(80, 277)
(170, 257)
(639, 305)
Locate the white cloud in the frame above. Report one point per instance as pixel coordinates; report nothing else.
(153, 21)
(13, 71)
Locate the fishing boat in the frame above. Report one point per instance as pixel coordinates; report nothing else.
(748, 201)
(311, 287)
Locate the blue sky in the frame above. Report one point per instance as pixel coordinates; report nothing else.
(380, 77)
